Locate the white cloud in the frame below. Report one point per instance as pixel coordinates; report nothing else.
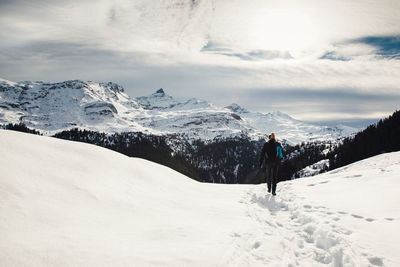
(203, 48)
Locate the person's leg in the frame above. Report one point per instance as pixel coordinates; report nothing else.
(269, 177)
(275, 177)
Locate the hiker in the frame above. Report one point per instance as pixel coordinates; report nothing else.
(271, 156)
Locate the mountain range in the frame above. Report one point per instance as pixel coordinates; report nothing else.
(105, 107)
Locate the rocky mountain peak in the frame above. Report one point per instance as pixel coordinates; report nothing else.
(158, 100)
(160, 93)
(236, 108)
(116, 88)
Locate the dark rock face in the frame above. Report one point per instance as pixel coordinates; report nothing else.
(160, 92)
(101, 109)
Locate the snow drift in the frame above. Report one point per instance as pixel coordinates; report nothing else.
(72, 204)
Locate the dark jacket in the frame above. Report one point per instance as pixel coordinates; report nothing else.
(271, 152)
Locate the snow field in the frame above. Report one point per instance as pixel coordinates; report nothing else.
(65, 203)
(72, 204)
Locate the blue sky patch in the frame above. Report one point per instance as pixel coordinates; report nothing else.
(387, 46)
(384, 47)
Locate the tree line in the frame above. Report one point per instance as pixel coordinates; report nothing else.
(376, 139)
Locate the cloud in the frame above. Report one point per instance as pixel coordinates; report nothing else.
(338, 103)
(223, 51)
(334, 55)
(58, 61)
(307, 91)
(253, 55)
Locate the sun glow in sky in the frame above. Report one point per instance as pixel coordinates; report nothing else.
(308, 54)
(277, 29)
(289, 30)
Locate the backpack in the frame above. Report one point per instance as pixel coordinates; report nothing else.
(279, 150)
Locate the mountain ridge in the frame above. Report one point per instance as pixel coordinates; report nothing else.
(52, 107)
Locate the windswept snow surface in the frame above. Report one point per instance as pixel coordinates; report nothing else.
(65, 203)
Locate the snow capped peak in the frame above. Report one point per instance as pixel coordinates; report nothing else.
(113, 87)
(282, 115)
(194, 103)
(236, 108)
(160, 93)
(159, 100)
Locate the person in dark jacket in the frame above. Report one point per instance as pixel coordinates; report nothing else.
(271, 156)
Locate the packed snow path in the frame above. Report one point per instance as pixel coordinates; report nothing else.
(73, 204)
(287, 233)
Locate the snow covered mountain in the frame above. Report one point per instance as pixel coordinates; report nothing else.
(52, 107)
(288, 128)
(73, 204)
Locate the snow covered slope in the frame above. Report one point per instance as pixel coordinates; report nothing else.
(72, 204)
(313, 169)
(288, 128)
(52, 107)
(56, 106)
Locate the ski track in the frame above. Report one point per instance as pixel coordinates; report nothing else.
(305, 235)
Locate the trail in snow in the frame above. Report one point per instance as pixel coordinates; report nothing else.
(287, 233)
(348, 217)
(72, 204)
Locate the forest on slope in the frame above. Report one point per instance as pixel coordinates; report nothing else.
(379, 138)
(235, 160)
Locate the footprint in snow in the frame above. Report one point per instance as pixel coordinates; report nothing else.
(256, 245)
(269, 202)
(353, 176)
(310, 229)
(376, 261)
(357, 216)
(236, 235)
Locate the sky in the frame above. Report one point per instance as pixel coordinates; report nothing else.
(321, 61)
